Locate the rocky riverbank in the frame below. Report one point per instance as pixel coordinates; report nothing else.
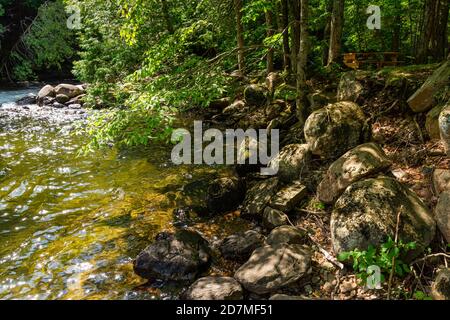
(364, 167)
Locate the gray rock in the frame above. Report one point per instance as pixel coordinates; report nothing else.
(288, 197)
(77, 100)
(273, 218)
(291, 162)
(214, 288)
(335, 129)
(241, 245)
(350, 89)
(28, 99)
(46, 91)
(174, 256)
(58, 105)
(258, 196)
(225, 194)
(271, 268)
(69, 90)
(442, 214)
(432, 122)
(287, 234)
(74, 106)
(62, 98)
(444, 127)
(440, 290)
(358, 163)
(256, 95)
(366, 214)
(441, 180)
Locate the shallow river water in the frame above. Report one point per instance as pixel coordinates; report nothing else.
(70, 225)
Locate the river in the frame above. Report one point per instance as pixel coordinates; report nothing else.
(71, 224)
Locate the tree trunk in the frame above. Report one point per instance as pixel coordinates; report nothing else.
(285, 26)
(302, 62)
(167, 18)
(439, 40)
(337, 23)
(426, 31)
(326, 33)
(270, 33)
(397, 27)
(240, 34)
(295, 9)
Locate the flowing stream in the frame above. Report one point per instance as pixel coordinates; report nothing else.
(70, 225)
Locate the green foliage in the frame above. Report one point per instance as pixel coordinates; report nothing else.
(381, 257)
(420, 295)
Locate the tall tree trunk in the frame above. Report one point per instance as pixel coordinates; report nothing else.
(426, 31)
(295, 9)
(326, 33)
(397, 29)
(270, 33)
(302, 61)
(285, 26)
(439, 40)
(167, 18)
(240, 34)
(337, 23)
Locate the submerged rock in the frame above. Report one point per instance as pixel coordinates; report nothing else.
(440, 290)
(174, 256)
(274, 267)
(358, 163)
(291, 162)
(225, 194)
(366, 214)
(258, 196)
(240, 246)
(214, 288)
(442, 214)
(335, 129)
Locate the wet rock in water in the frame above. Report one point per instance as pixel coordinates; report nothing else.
(440, 290)
(241, 245)
(62, 98)
(214, 288)
(258, 196)
(441, 180)
(74, 106)
(350, 88)
(69, 90)
(432, 122)
(58, 105)
(366, 214)
(225, 194)
(287, 234)
(47, 91)
(288, 197)
(255, 95)
(444, 127)
(273, 218)
(335, 129)
(358, 163)
(28, 99)
(274, 267)
(442, 214)
(174, 256)
(291, 162)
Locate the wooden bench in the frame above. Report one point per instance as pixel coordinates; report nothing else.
(356, 60)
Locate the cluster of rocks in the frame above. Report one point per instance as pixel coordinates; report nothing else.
(365, 197)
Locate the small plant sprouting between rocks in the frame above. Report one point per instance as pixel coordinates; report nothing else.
(387, 257)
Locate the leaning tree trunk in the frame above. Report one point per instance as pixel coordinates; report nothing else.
(302, 61)
(285, 26)
(270, 33)
(240, 34)
(337, 23)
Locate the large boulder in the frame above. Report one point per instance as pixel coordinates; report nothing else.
(214, 288)
(69, 90)
(441, 180)
(335, 129)
(47, 91)
(358, 163)
(241, 245)
(288, 197)
(62, 98)
(258, 196)
(424, 98)
(271, 268)
(432, 122)
(444, 127)
(291, 162)
(287, 234)
(442, 214)
(440, 289)
(176, 256)
(225, 194)
(256, 95)
(366, 214)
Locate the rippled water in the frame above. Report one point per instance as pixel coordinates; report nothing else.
(70, 225)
